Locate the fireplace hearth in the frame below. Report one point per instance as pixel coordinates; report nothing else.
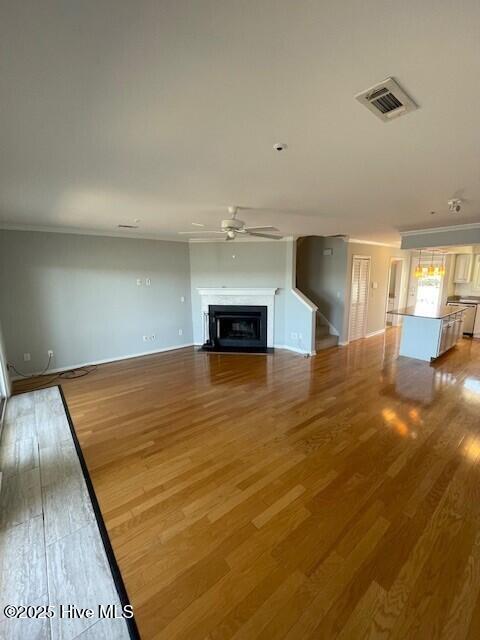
(237, 328)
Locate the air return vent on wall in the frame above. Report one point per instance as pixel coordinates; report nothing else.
(387, 100)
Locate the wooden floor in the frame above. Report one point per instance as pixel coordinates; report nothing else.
(286, 497)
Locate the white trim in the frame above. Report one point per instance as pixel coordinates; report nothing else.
(304, 300)
(245, 296)
(375, 333)
(240, 239)
(454, 227)
(107, 360)
(333, 331)
(374, 243)
(343, 344)
(304, 352)
(237, 291)
(128, 235)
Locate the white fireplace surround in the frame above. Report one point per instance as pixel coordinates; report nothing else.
(243, 296)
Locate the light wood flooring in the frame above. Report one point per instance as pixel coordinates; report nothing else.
(287, 497)
(51, 553)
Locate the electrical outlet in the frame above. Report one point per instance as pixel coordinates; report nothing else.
(180, 332)
(50, 353)
(148, 282)
(153, 337)
(27, 357)
(139, 282)
(145, 338)
(182, 298)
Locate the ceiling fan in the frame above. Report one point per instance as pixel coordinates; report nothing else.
(233, 226)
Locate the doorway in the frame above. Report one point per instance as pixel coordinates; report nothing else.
(359, 298)
(394, 291)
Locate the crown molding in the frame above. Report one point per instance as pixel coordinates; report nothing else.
(454, 227)
(374, 243)
(88, 232)
(237, 239)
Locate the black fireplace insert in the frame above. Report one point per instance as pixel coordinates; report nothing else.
(237, 328)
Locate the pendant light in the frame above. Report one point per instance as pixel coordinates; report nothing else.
(442, 269)
(418, 268)
(431, 268)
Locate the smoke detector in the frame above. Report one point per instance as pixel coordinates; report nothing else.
(387, 100)
(454, 205)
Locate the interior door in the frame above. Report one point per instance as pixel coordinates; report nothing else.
(359, 298)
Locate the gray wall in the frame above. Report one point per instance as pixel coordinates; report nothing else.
(256, 264)
(78, 296)
(322, 278)
(446, 238)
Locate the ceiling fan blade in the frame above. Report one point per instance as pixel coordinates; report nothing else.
(189, 233)
(261, 229)
(264, 235)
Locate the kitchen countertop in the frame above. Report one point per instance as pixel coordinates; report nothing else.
(465, 300)
(443, 311)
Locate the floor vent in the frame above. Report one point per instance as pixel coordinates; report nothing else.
(387, 100)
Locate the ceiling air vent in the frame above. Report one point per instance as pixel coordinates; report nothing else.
(127, 226)
(387, 100)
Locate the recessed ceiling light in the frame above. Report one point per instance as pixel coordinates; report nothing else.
(279, 146)
(197, 224)
(432, 213)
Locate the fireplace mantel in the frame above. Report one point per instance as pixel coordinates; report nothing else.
(237, 291)
(244, 296)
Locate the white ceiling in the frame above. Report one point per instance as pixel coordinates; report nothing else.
(167, 111)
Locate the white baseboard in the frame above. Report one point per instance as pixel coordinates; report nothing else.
(375, 333)
(343, 344)
(304, 352)
(106, 360)
(279, 346)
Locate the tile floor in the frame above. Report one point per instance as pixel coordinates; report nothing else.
(51, 552)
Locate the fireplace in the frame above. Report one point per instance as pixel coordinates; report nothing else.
(237, 328)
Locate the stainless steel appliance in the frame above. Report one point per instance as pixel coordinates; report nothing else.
(468, 316)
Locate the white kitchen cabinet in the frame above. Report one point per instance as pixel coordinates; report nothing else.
(426, 335)
(463, 268)
(476, 273)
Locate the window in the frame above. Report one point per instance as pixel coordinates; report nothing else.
(428, 293)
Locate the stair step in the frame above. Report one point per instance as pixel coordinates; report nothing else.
(326, 342)
(322, 330)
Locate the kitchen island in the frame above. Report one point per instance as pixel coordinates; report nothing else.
(427, 333)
